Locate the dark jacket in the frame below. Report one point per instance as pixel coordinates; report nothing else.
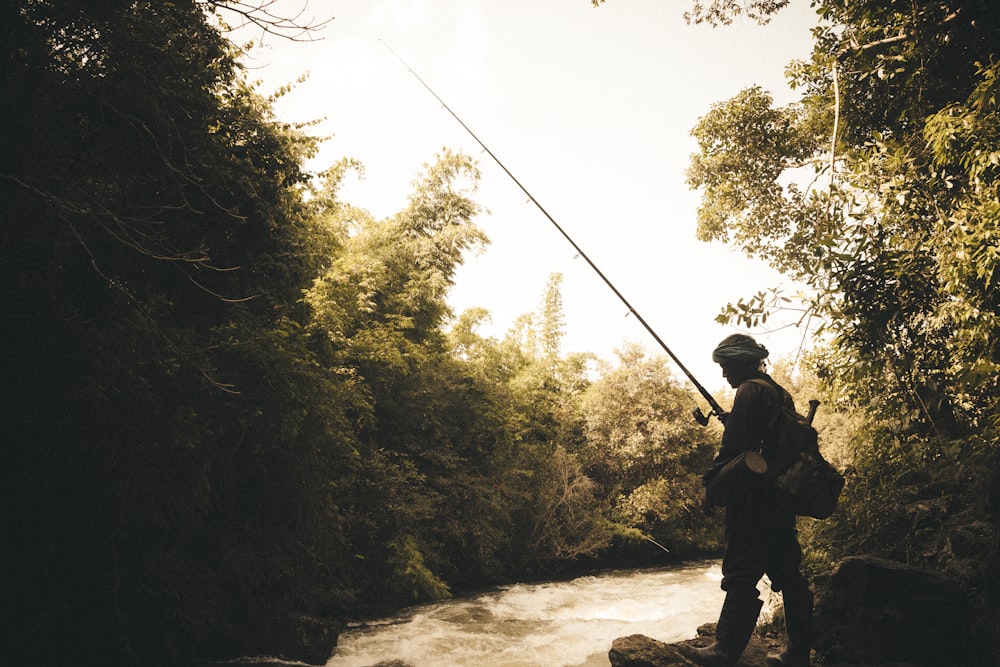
(747, 425)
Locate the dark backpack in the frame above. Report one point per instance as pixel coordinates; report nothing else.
(796, 466)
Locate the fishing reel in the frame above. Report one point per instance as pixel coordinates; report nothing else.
(703, 419)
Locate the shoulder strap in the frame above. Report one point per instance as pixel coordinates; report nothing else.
(778, 394)
(773, 388)
(764, 383)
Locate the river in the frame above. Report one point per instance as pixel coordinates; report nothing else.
(560, 624)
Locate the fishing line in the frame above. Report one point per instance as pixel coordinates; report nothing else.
(716, 408)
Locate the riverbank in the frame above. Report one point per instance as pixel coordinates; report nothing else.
(640, 651)
(564, 622)
(869, 613)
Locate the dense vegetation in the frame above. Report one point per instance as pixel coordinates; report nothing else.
(878, 190)
(230, 397)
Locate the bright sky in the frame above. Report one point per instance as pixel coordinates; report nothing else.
(590, 108)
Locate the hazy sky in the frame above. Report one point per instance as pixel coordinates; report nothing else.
(590, 108)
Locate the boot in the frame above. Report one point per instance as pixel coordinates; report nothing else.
(798, 627)
(736, 624)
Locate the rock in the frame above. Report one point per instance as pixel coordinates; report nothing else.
(306, 639)
(874, 610)
(289, 639)
(642, 651)
(869, 613)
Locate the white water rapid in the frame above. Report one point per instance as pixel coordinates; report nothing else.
(562, 624)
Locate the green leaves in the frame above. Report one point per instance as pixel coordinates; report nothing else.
(395, 274)
(896, 238)
(745, 147)
(898, 244)
(723, 12)
(646, 452)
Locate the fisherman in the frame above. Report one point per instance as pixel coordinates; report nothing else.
(760, 534)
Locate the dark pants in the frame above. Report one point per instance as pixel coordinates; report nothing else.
(761, 539)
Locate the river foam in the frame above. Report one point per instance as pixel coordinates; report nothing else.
(560, 624)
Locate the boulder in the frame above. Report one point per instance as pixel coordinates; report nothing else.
(306, 639)
(874, 610)
(642, 651)
(869, 613)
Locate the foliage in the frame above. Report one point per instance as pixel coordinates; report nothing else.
(882, 247)
(430, 434)
(555, 509)
(194, 452)
(231, 398)
(149, 199)
(722, 12)
(878, 191)
(647, 453)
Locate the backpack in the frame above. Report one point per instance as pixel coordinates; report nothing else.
(795, 465)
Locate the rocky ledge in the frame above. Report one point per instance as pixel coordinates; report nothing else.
(869, 613)
(642, 651)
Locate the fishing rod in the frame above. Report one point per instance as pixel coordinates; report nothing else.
(697, 413)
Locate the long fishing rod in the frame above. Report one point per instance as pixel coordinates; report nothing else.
(702, 419)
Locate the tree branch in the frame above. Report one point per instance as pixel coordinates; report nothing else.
(854, 47)
(259, 13)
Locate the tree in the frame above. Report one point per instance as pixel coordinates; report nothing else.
(646, 452)
(878, 191)
(556, 513)
(874, 235)
(161, 411)
(722, 12)
(445, 497)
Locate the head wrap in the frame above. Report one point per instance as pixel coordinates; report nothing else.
(738, 348)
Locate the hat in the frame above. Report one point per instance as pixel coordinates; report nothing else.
(738, 348)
